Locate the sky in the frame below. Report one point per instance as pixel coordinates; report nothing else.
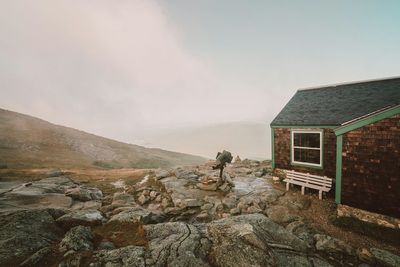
(135, 70)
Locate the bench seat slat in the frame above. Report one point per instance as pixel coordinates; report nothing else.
(325, 189)
(293, 181)
(309, 175)
(295, 177)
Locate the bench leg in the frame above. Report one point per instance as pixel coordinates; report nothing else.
(302, 190)
(320, 194)
(287, 186)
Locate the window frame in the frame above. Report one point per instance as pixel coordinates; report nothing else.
(292, 147)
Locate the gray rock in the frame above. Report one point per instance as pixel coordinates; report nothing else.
(173, 242)
(249, 240)
(192, 202)
(162, 174)
(281, 214)
(253, 209)
(234, 211)
(81, 217)
(138, 215)
(207, 187)
(77, 239)
(295, 202)
(302, 231)
(73, 260)
(84, 193)
(330, 244)
(36, 257)
(106, 245)
(129, 256)
(188, 259)
(385, 258)
(229, 202)
(143, 199)
(23, 233)
(123, 199)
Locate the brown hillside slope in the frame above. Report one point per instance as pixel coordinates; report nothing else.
(29, 142)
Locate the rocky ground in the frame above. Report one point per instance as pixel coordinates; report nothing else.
(176, 217)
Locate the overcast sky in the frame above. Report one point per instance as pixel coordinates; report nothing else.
(123, 69)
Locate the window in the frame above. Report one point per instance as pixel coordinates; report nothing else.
(307, 148)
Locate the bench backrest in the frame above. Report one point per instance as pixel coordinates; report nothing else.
(306, 178)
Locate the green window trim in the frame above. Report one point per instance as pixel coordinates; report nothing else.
(306, 165)
(338, 180)
(367, 120)
(273, 148)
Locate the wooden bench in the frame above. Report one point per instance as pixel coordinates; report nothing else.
(320, 183)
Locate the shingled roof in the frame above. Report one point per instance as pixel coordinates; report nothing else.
(337, 104)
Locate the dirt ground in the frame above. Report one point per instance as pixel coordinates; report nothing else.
(320, 216)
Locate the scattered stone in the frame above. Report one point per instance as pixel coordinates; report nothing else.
(138, 215)
(36, 257)
(143, 199)
(302, 231)
(77, 239)
(365, 255)
(253, 209)
(234, 211)
(123, 199)
(281, 214)
(129, 256)
(192, 202)
(81, 217)
(330, 244)
(207, 187)
(162, 174)
(385, 258)
(295, 202)
(84, 194)
(106, 245)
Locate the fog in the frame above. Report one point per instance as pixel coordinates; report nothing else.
(139, 71)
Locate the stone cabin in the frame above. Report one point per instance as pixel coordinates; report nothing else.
(349, 132)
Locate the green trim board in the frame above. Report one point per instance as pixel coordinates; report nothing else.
(368, 120)
(322, 149)
(306, 127)
(273, 148)
(339, 149)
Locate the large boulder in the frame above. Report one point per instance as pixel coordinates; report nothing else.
(175, 243)
(23, 233)
(250, 240)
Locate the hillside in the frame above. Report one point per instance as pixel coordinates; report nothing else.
(29, 142)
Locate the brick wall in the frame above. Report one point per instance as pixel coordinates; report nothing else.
(282, 153)
(371, 167)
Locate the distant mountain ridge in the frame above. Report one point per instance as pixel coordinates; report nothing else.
(29, 142)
